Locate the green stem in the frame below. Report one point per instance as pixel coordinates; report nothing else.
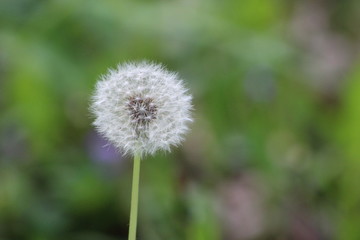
(134, 198)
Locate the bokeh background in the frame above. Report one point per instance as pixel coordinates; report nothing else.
(274, 152)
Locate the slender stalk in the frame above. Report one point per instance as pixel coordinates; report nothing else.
(134, 198)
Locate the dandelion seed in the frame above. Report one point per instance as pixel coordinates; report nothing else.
(141, 108)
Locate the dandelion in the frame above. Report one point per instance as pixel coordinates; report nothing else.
(141, 108)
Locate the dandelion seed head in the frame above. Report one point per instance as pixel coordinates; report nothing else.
(141, 108)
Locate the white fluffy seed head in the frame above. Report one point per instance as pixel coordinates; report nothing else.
(141, 108)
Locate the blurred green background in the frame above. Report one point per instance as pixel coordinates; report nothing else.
(274, 152)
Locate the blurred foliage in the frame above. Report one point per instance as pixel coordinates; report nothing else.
(273, 152)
